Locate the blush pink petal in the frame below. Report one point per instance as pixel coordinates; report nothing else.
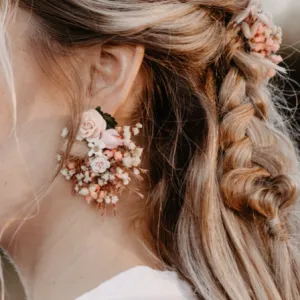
(111, 139)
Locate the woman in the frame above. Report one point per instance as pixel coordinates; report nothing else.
(160, 115)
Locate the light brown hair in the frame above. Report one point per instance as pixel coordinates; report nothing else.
(223, 168)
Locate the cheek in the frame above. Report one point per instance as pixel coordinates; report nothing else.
(28, 155)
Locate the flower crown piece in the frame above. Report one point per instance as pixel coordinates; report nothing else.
(263, 36)
(111, 160)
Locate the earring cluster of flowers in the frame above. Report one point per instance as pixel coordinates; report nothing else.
(112, 159)
(264, 38)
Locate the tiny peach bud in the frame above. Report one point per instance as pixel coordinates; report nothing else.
(118, 156)
(88, 199)
(71, 165)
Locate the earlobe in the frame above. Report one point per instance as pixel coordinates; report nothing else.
(113, 76)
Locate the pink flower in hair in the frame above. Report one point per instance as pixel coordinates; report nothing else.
(111, 139)
(92, 125)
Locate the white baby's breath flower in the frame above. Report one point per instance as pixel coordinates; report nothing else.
(112, 177)
(126, 182)
(107, 199)
(127, 162)
(72, 172)
(136, 171)
(84, 168)
(136, 162)
(96, 147)
(105, 176)
(94, 195)
(126, 129)
(76, 188)
(84, 192)
(135, 131)
(64, 133)
(131, 146)
(114, 199)
(125, 176)
(137, 152)
(127, 137)
(80, 183)
(64, 172)
(119, 170)
(139, 125)
(68, 177)
(79, 176)
(87, 178)
(92, 187)
(101, 182)
(59, 157)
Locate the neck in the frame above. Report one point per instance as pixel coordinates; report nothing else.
(69, 248)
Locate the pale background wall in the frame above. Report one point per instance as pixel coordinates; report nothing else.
(286, 14)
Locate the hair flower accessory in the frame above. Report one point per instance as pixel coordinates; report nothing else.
(109, 164)
(264, 38)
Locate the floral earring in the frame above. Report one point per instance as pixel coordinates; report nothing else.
(111, 159)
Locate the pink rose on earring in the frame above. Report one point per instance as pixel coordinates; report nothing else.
(99, 164)
(111, 139)
(91, 126)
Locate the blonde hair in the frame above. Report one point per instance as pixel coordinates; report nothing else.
(223, 168)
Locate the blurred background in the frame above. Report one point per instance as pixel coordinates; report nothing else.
(286, 14)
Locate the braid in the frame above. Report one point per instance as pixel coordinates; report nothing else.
(255, 177)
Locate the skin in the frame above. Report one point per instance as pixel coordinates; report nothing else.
(65, 248)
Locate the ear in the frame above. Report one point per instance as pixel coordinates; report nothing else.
(113, 75)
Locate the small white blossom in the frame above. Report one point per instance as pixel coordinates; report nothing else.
(136, 171)
(79, 176)
(107, 199)
(59, 157)
(94, 195)
(101, 182)
(127, 162)
(127, 136)
(105, 176)
(84, 192)
(72, 172)
(68, 177)
(96, 147)
(99, 200)
(114, 199)
(125, 176)
(87, 179)
(84, 168)
(135, 131)
(112, 177)
(131, 146)
(80, 183)
(64, 172)
(137, 152)
(126, 129)
(126, 182)
(136, 162)
(64, 133)
(139, 125)
(76, 188)
(92, 187)
(119, 170)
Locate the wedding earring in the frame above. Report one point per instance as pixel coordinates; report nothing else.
(110, 161)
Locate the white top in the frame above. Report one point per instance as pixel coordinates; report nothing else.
(142, 283)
